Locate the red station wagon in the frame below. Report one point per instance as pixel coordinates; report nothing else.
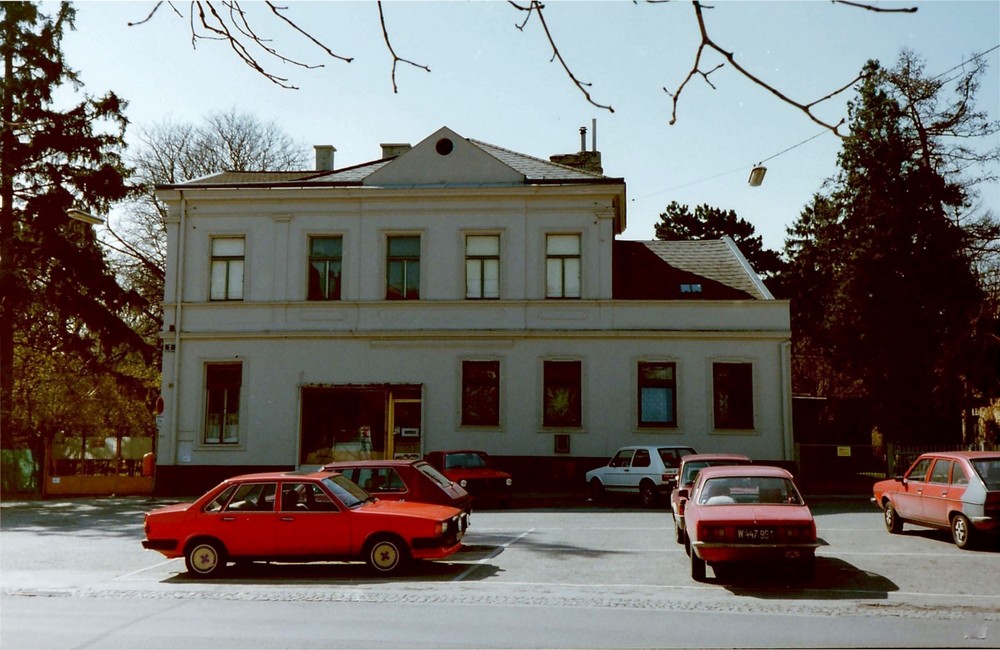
(473, 470)
(291, 517)
(748, 513)
(957, 491)
(404, 480)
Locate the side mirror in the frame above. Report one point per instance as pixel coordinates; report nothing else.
(899, 479)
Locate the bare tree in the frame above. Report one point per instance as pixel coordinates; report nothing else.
(228, 21)
(171, 152)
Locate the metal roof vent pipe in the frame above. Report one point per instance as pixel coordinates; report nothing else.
(757, 175)
(324, 157)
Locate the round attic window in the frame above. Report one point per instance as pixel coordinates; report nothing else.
(444, 146)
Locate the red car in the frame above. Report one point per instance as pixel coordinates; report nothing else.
(688, 471)
(748, 513)
(404, 480)
(473, 470)
(293, 517)
(957, 491)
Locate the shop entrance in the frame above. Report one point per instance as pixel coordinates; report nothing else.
(360, 422)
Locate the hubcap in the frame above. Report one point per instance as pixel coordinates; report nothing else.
(204, 559)
(960, 531)
(385, 556)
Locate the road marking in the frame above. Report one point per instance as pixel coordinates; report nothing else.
(138, 571)
(460, 577)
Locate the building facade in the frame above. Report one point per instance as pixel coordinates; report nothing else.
(452, 294)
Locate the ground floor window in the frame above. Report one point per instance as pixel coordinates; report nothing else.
(222, 411)
(733, 395)
(657, 394)
(562, 394)
(481, 393)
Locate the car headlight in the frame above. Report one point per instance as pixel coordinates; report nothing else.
(463, 483)
(510, 482)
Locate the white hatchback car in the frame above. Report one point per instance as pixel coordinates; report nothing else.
(647, 470)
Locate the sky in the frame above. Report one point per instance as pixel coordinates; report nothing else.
(491, 81)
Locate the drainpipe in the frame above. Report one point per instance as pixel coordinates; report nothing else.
(178, 298)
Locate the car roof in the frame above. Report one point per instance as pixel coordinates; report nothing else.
(459, 451)
(742, 470)
(695, 457)
(280, 475)
(372, 463)
(655, 447)
(971, 455)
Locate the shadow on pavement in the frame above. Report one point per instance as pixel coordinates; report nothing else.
(835, 579)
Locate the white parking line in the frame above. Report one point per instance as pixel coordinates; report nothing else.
(143, 570)
(492, 555)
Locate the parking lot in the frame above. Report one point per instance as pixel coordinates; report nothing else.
(583, 558)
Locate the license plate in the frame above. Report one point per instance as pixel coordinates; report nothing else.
(755, 535)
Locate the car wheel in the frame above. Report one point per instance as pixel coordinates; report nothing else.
(596, 490)
(893, 523)
(386, 555)
(647, 493)
(961, 531)
(697, 567)
(205, 558)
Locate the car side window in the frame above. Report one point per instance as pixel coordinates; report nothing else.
(219, 502)
(958, 475)
(254, 497)
(940, 472)
(380, 480)
(641, 458)
(622, 459)
(919, 470)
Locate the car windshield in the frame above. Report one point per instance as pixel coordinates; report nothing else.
(349, 492)
(671, 457)
(989, 470)
(434, 475)
(749, 490)
(465, 460)
(691, 471)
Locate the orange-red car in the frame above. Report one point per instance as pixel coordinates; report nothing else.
(748, 513)
(474, 471)
(957, 491)
(293, 517)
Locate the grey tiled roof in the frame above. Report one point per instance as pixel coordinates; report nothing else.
(716, 259)
(244, 178)
(535, 168)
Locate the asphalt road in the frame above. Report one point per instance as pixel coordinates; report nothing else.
(73, 575)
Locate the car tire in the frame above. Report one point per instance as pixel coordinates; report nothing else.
(205, 558)
(596, 490)
(697, 567)
(893, 523)
(386, 555)
(961, 531)
(647, 493)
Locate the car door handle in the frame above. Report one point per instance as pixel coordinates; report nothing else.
(229, 519)
(287, 518)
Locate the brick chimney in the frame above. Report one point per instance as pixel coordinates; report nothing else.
(588, 161)
(324, 157)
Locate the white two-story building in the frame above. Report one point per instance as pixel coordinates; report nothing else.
(452, 294)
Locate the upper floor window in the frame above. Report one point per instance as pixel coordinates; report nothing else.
(403, 268)
(733, 395)
(227, 268)
(562, 399)
(482, 266)
(562, 266)
(657, 394)
(481, 393)
(325, 267)
(222, 402)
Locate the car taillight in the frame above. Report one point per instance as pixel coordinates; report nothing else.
(713, 533)
(680, 506)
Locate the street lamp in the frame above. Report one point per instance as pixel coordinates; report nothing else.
(86, 217)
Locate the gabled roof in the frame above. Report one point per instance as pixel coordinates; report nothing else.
(467, 163)
(684, 270)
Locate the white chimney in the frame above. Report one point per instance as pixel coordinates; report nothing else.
(393, 149)
(324, 157)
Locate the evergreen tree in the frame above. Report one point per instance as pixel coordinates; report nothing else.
(885, 299)
(65, 322)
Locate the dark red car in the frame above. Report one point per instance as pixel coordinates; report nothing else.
(473, 470)
(957, 491)
(688, 471)
(404, 480)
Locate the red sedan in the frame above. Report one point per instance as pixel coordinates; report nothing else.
(292, 517)
(957, 491)
(404, 480)
(748, 513)
(688, 471)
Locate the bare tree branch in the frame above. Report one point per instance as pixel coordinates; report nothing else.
(696, 70)
(865, 5)
(395, 58)
(536, 8)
